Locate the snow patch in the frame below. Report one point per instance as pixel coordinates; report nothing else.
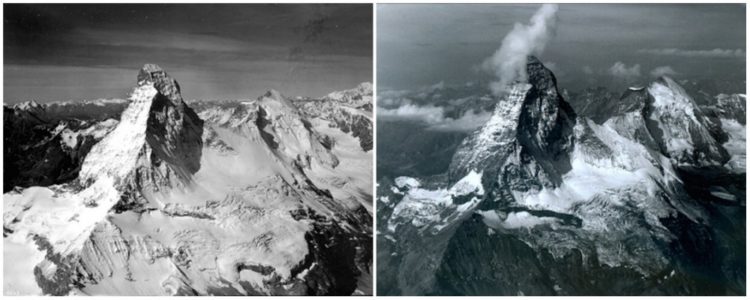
(421, 207)
(472, 183)
(404, 181)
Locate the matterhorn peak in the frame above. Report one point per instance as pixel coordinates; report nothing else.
(157, 143)
(274, 98)
(166, 85)
(273, 94)
(533, 60)
(531, 120)
(539, 76)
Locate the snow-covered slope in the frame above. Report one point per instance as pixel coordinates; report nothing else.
(358, 96)
(350, 111)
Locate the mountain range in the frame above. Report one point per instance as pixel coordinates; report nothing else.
(155, 195)
(638, 194)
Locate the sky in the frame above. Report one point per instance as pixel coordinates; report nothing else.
(56, 52)
(593, 44)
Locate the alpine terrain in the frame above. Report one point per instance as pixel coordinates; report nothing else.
(156, 195)
(594, 193)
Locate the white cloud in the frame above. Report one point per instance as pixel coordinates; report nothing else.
(663, 71)
(438, 86)
(428, 114)
(621, 70)
(716, 52)
(434, 117)
(588, 70)
(392, 98)
(469, 121)
(509, 61)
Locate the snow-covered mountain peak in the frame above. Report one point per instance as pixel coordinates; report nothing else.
(29, 105)
(680, 126)
(670, 95)
(363, 92)
(275, 103)
(273, 94)
(157, 143)
(530, 120)
(365, 87)
(96, 102)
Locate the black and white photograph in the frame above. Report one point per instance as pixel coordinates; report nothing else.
(373, 148)
(561, 149)
(187, 149)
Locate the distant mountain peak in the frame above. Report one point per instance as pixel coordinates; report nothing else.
(29, 105)
(356, 94)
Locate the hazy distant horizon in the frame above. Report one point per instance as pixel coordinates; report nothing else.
(56, 52)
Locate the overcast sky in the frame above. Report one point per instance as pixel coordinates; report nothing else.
(62, 52)
(421, 44)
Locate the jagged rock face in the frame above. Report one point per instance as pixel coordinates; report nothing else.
(546, 122)
(588, 103)
(163, 136)
(163, 83)
(629, 117)
(544, 105)
(732, 107)
(174, 130)
(726, 122)
(532, 123)
(599, 104)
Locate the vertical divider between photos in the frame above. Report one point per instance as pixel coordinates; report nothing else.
(374, 149)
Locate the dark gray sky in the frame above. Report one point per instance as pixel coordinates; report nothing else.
(230, 51)
(422, 44)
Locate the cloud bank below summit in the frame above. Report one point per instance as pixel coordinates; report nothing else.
(434, 117)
